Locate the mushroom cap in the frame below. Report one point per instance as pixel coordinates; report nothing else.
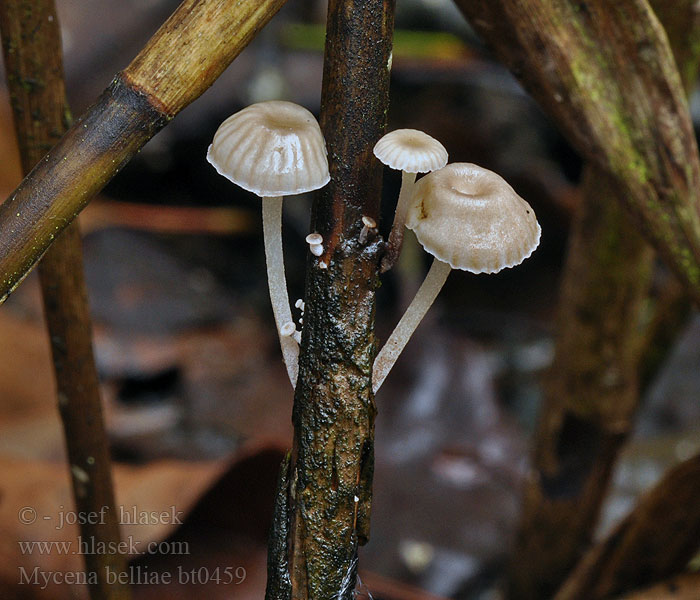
(411, 150)
(271, 148)
(471, 218)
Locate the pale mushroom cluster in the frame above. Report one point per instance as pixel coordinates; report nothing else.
(411, 152)
(470, 219)
(467, 217)
(273, 149)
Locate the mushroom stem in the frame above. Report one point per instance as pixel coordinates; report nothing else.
(424, 298)
(272, 234)
(393, 245)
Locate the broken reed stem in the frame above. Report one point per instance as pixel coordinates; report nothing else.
(614, 90)
(653, 543)
(592, 390)
(182, 59)
(33, 61)
(330, 479)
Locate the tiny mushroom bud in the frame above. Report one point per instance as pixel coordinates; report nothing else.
(368, 224)
(288, 329)
(410, 151)
(273, 149)
(314, 239)
(468, 218)
(315, 242)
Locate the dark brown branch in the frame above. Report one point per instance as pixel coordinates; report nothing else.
(33, 62)
(332, 461)
(183, 59)
(605, 72)
(653, 543)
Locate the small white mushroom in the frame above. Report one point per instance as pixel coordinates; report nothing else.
(315, 242)
(273, 149)
(289, 330)
(300, 304)
(468, 218)
(410, 151)
(368, 224)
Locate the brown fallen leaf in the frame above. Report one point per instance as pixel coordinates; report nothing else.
(38, 530)
(26, 384)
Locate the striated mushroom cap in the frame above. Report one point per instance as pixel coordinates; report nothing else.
(271, 149)
(411, 150)
(472, 219)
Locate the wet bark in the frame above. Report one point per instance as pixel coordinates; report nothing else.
(330, 488)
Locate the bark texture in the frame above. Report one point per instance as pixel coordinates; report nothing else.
(654, 542)
(184, 57)
(33, 62)
(332, 461)
(605, 73)
(681, 20)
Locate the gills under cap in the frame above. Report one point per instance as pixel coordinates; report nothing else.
(271, 148)
(471, 218)
(411, 150)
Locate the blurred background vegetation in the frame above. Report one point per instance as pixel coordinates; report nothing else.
(185, 340)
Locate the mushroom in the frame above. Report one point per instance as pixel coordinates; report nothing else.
(368, 224)
(273, 149)
(315, 242)
(468, 218)
(409, 151)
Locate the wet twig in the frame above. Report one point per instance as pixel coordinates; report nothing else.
(332, 461)
(182, 59)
